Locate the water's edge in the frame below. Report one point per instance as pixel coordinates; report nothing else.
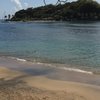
(58, 66)
(51, 71)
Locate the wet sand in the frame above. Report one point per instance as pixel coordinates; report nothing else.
(15, 85)
(50, 72)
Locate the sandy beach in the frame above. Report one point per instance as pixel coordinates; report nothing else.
(58, 60)
(15, 85)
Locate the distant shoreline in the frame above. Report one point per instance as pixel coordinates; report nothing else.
(52, 21)
(70, 11)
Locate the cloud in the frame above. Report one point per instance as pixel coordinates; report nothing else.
(17, 4)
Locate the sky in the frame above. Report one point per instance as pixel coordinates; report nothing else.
(11, 6)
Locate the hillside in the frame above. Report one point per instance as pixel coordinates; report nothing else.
(78, 10)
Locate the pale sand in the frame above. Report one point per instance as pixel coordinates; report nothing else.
(15, 85)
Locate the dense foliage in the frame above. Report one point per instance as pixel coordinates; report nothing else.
(78, 10)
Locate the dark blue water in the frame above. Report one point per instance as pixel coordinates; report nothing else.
(76, 44)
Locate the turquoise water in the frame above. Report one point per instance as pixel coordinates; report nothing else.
(76, 44)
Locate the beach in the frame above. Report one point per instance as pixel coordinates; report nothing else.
(50, 60)
(17, 85)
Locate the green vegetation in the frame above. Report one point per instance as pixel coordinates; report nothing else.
(78, 10)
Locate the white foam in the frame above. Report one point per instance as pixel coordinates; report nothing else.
(55, 66)
(66, 68)
(23, 60)
(18, 59)
(76, 70)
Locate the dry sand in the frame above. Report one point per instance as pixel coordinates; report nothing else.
(20, 86)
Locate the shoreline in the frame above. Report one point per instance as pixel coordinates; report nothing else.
(56, 65)
(29, 87)
(52, 21)
(50, 71)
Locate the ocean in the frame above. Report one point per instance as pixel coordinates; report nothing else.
(67, 45)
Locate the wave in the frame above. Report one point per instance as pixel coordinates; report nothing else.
(23, 60)
(18, 59)
(54, 65)
(66, 68)
(76, 70)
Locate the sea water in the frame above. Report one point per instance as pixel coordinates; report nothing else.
(65, 44)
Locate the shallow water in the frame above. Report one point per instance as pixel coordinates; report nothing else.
(50, 72)
(71, 44)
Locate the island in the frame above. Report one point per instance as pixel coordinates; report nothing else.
(76, 10)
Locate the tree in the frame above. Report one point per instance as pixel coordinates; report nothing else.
(9, 16)
(5, 16)
(76, 10)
